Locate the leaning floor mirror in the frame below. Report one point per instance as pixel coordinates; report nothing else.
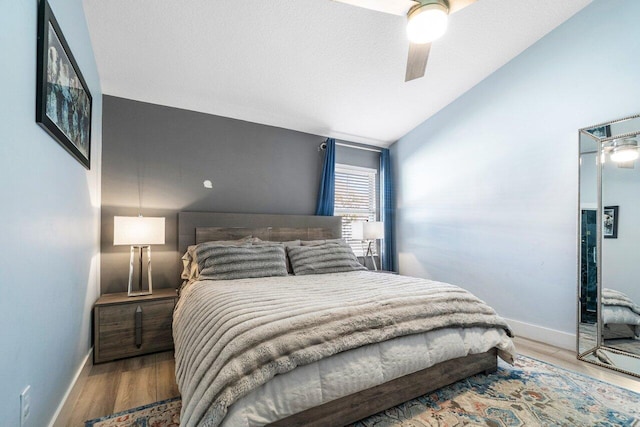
(609, 246)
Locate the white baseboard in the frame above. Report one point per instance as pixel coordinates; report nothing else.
(81, 374)
(553, 337)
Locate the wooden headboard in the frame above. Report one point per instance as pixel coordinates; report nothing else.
(198, 227)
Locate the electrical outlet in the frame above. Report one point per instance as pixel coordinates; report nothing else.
(25, 405)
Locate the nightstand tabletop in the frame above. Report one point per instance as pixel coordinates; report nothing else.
(123, 297)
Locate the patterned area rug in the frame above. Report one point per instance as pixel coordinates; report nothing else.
(532, 393)
(159, 414)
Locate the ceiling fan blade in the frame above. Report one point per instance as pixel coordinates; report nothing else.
(393, 7)
(456, 5)
(417, 61)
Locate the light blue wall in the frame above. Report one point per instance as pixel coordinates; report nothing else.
(49, 223)
(487, 188)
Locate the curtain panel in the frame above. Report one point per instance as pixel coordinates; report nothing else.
(326, 195)
(387, 212)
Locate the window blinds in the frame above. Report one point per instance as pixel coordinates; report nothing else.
(355, 200)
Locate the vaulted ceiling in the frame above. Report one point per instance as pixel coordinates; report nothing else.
(315, 66)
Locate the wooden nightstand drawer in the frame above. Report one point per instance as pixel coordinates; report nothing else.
(132, 326)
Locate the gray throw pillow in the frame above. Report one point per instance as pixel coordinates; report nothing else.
(190, 270)
(242, 262)
(331, 257)
(258, 242)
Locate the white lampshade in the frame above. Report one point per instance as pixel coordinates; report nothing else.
(427, 23)
(361, 230)
(373, 230)
(138, 230)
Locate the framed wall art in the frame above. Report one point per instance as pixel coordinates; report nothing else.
(601, 132)
(610, 222)
(63, 100)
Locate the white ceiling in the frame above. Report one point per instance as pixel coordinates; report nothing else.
(315, 66)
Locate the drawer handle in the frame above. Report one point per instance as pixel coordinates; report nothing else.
(139, 327)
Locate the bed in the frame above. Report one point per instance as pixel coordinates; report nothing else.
(317, 349)
(620, 316)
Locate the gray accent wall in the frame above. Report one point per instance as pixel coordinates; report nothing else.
(50, 223)
(357, 157)
(155, 159)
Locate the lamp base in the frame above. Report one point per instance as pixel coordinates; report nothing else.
(140, 292)
(370, 254)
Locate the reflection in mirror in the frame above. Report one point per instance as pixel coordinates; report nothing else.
(587, 314)
(609, 243)
(614, 359)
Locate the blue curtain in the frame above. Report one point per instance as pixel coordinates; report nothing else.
(327, 192)
(386, 191)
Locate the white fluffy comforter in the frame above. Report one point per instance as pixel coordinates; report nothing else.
(233, 336)
(618, 308)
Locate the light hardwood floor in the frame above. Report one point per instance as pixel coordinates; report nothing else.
(124, 384)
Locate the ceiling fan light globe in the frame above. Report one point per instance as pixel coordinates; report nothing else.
(624, 150)
(626, 155)
(427, 23)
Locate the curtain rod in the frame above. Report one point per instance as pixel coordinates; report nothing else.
(358, 147)
(376, 150)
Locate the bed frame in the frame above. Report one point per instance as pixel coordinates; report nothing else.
(360, 405)
(198, 227)
(613, 331)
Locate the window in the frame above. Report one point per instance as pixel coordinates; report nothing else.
(355, 200)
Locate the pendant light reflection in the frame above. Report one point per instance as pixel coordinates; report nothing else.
(624, 150)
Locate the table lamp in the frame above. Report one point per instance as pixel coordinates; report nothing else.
(370, 231)
(139, 232)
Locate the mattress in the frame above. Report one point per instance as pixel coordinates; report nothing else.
(359, 369)
(619, 309)
(620, 315)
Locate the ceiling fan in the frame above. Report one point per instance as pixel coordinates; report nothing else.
(622, 151)
(427, 21)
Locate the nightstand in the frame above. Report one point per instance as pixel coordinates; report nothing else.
(125, 326)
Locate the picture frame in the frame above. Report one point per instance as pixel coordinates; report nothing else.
(63, 99)
(610, 222)
(601, 131)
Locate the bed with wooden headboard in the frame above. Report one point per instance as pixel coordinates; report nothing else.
(200, 227)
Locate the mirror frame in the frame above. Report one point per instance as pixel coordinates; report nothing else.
(599, 341)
